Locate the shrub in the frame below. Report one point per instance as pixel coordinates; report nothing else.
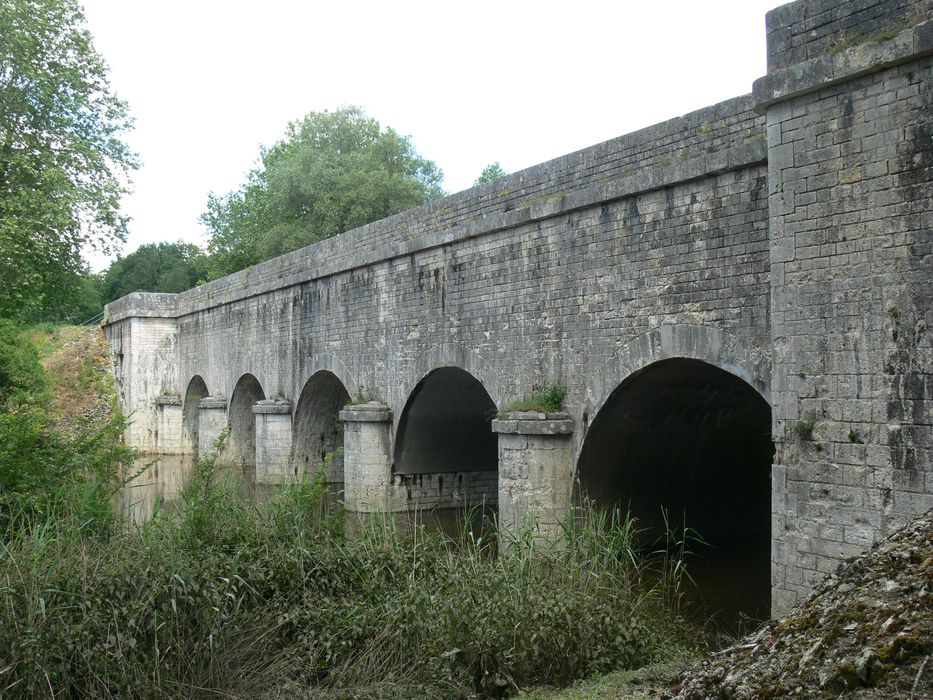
(240, 598)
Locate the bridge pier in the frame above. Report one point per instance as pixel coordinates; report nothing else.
(169, 425)
(212, 419)
(367, 457)
(535, 473)
(273, 440)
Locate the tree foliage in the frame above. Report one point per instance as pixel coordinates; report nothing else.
(333, 171)
(491, 172)
(63, 165)
(155, 267)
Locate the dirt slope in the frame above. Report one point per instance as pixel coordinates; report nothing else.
(76, 360)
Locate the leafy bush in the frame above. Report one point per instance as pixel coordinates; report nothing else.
(21, 375)
(44, 473)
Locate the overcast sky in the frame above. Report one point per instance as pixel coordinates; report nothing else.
(471, 82)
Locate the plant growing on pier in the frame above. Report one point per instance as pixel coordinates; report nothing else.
(547, 399)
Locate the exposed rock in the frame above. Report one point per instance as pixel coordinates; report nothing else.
(866, 632)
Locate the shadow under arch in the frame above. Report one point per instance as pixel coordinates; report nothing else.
(197, 390)
(688, 438)
(449, 355)
(446, 426)
(316, 428)
(242, 422)
(446, 463)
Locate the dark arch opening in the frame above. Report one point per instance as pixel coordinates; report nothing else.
(242, 422)
(197, 390)
(317, 430)
(445, 426)
(446, 455)
(688, 438)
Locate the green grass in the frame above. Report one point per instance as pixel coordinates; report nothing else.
(636, 684)
(847, 42)
(547, 400)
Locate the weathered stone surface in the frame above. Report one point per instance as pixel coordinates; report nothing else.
(535, 456)
(790, 249)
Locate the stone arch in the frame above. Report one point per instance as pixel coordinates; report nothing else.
(691, 439)
(242, 422)
(707, 343)
(446, 425)
(449, 355)
(197, 390)
(329, 363)
(316, 428)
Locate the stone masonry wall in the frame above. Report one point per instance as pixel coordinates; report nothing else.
(800, 31)
(725, 235)
(851, 191)
(145, 364)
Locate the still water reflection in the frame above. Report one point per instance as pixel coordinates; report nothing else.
(157, 481)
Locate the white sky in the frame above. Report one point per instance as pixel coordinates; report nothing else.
(520, 82)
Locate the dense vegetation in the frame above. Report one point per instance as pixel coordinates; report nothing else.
(53, 465)
(155, 267)
(273, 599)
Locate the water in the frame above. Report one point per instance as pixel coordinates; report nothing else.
(158, 481)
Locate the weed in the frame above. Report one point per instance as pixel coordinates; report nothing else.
(362, 396)
(235, 598)
(855, 438)
(894, 312)
(845, 43)
(548, 399)
(804, 427)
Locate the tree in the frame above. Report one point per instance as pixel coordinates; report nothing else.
(63, 165)
(332, 172)
(491, 172)
(155, 267)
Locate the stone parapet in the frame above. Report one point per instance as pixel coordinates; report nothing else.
(828, 69)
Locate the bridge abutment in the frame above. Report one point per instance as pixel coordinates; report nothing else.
(850, 165)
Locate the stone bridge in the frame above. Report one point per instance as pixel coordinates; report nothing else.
(736, 302)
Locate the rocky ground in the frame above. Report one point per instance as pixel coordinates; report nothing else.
(866, 632)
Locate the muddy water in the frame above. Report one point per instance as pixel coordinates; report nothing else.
(157, 481)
